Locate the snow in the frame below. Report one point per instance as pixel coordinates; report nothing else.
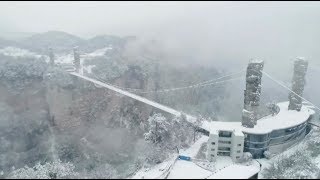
(194, 149)
(284, 119)
(225, 169)
(17, 52)
(187, 170)
(89, 68)
(156, 171)
(98, 52)
(223, 161)
(69, 58)
(237, 171)
(181, 169)
(301, 58)
(160, 169)
(64, 59)
(255, 61)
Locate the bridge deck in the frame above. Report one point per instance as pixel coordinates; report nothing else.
(190, 118)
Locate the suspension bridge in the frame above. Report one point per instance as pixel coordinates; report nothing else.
(132, 93)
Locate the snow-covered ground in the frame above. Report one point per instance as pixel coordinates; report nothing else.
(60, 59)
(98, 52)
(237, 171)
(158, 171)
(18, 52)
(194, 149)
(180, 169)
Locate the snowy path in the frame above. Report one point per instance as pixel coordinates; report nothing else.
(191, 119)
(194, 149)
(157, 172)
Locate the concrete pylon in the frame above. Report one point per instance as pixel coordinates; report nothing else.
(76, 60)
(298, 82)
(51, 57)
(252, 93)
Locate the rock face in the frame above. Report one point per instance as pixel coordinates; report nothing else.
(83, 103)
(252, 93)
(298, 82)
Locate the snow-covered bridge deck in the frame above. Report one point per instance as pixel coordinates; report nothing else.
(167, 109)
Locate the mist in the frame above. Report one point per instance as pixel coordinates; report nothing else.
(207, 32)
(197, 41)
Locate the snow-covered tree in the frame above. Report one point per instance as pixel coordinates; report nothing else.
(105, 171)
(51, 170)
(267, 154)
(273, 108)
(296, 166)
(169, 133)
(246, 158)
(159, 129)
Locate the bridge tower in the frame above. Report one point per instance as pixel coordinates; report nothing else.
(298, 82)
(252, 93)
(76, 60)
(51, 57)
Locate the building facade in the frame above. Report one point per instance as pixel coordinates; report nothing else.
(274, 133)
(225, 143)
(276, 141)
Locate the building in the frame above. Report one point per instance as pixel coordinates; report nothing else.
(273, 133)
(225, 143)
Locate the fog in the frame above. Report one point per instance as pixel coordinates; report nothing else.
(225, 35)
(220, 36)
(207, 31)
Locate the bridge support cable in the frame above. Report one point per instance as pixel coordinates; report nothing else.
(189, 118)
(198, 85)
(284, 86)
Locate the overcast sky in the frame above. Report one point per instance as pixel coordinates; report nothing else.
(225, 34)
(125, 18)
(225, 31)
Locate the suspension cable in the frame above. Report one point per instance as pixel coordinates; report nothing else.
(281, 84)
(201, 84)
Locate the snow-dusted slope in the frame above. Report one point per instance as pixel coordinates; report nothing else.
(98, 52)
(17, 52)
(62, 59)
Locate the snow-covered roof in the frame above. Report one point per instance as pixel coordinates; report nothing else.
(237, 171)
(256, 61)
(187, 170)
(284, 119)
(301, 58)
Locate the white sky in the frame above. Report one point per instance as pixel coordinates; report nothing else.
(224, 31)
(125, 18)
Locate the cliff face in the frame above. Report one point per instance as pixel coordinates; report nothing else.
(23, 125)
(31, 98)
(75, 110)
(86, 103)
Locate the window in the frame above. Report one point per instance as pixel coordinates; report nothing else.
(212, 155)
(213, 143)
(239, 144)
(224, 153)
(212, 149)
(238, 151)
(225, 134)
(238, 157)
(225, 142)
(224, 149)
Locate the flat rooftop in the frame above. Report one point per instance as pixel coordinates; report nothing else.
(284, 119)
